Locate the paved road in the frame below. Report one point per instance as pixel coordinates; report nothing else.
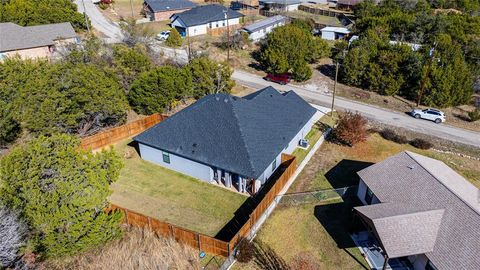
(110, 29)
(372, 112)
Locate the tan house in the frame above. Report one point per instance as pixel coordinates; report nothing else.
(39, 41)
(161, 10)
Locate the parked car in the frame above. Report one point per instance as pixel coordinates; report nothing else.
(163, 35)
(282, 79)
(430, 114)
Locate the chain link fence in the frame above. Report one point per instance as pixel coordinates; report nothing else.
(317, 196)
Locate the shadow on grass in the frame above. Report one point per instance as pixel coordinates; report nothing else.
(327, 70)
(337, 219)
(345, 173)
(266, 258)
(242, 215)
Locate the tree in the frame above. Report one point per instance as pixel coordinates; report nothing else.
(210, 77)
(35, 12)
(61, 191)
(174, 39)
(129, 62)
(12, 236)
(77, 99)
(9, 127)
(134, 34)
(155, 90)
(290, 47)
(351, 129)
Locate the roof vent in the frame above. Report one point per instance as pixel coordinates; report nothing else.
(225, 100)
(194, 144)
(271, 95)
(217, 98)
(411, 167)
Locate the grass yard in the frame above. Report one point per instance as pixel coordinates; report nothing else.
(173, 197)
(124, 8)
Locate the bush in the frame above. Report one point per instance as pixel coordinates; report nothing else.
(474, 116)
(421, 144)
(9, 127)
(61, 192)
(245, 251)
(174, 40)
(389, 134)
(351, 129)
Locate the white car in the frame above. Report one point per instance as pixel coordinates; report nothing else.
(163, 35)
(434, 115)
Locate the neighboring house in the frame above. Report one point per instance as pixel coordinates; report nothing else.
(230, 140)
(161, 10)
(39, 41)
(208, 19)
(246, 7)
(260, 29)
(419, 209)
(334, 33)
(279, 5)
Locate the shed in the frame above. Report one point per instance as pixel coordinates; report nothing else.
(334, 33)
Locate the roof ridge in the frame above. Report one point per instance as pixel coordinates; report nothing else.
(412, 213)
(438, 180)
(242, 137)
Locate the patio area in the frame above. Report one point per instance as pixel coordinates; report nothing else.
(372, 251)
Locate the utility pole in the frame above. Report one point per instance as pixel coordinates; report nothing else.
(425, 77)
(85, 16)
(228, 37)
(188, 45)
(335, 83)
(131, 7)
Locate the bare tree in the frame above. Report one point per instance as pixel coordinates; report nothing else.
(12, 236)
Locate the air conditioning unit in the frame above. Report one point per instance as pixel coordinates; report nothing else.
(303, 143)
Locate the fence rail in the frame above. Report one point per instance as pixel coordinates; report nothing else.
(317, 196)
(116, 134)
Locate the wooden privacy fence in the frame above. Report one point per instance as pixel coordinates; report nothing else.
(116, 134)
(206, 243)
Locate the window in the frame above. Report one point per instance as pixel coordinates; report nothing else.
(430, 266)
(216, 24)
(166, 157)
(368, 196)
(210, 25)
(274, 165)
(223, 24)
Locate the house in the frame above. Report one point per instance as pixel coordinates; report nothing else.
(232, 141)
(39, 41)
(246, 7)
(161, 10)
(260, 29)
(208, 19)
(420, 211)
(334, 33)
(279, 5)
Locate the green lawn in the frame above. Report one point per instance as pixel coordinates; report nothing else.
(173, 197)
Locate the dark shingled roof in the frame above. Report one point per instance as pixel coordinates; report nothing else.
(417, 191)
(241, 135)
(205, 14)
(166, 5)
(16, 37)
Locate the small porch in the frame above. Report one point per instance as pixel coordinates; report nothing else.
(374, 254)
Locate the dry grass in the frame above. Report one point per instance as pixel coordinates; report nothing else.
(137, 250)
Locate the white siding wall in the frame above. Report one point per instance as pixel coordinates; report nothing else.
(179, 164)
(292, 7)
(202, 29)
(197, 30)
(328, 35)
(262, 33)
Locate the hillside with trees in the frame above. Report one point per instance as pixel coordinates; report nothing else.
(440, 73)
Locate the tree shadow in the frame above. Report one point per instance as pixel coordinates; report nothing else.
(345, 173)
(266, 258)
(135, 146)
(327, 70)
(462, 117)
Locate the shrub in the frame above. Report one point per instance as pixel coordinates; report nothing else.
(9, 127)
(474, 115)
(351, 129)
(245, 251)
(421, 144)
(61, 192)
(389, 134)
(174, 39)
(12, 236)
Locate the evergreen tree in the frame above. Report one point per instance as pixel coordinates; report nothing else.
(61, 191)
(174, 39)
(210, 77)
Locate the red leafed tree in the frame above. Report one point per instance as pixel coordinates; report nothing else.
(351, 129)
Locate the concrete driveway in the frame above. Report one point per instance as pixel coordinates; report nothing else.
(110, 29)
(372, 112)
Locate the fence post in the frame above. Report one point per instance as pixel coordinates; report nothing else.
(126, 215)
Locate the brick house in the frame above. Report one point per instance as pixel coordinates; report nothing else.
(161, 10)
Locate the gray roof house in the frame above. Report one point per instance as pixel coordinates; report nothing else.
(203, 19)
(227, 139)
(160, 10)
(33, 41)
(260, 29)
(419, 209)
